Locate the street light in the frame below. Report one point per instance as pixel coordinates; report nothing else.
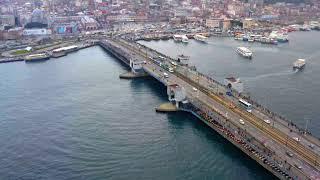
(306, 128)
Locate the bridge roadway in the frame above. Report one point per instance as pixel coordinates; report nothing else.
(304, 163)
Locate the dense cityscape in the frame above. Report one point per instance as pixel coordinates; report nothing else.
(23, 19)
(88, 123)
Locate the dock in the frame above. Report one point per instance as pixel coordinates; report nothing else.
(167, 107)
(276, 144)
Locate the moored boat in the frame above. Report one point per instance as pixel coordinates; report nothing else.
(201, 38)
(177, 38)
(36, 57)
(185, 39)
(63, 51)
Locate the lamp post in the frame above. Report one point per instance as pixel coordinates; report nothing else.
(306, 127)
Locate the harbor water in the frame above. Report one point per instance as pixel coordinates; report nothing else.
(73, 118)
(269, 77)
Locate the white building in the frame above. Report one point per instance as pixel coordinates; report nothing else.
(36, 32)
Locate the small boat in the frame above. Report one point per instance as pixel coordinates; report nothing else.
(245, 38)
(177, 38)
(299, 64)
(250, 39)
(305, 28)
(245, 52)
(265, 40)
(185, 39)
(239, 38)
(201, 38)
(282, 38)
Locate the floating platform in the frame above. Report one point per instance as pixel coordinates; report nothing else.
(131, 75)
(167, 107)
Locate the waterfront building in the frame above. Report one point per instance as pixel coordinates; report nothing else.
(8, 20)
(248, 23)
(36, 32)
(214, 23)
(89, 23)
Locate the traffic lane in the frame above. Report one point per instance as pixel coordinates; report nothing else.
(251, 129)
(275, 145)
(292, 134)
(281, 152)
(167, 72)
(205, 82)
(175, 80)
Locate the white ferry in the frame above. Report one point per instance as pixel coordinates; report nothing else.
(185, 39)
(245, 52)
(177, 38)
(63, 51)
(299, 64)
(201, 38)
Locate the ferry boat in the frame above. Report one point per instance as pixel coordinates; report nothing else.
(245, 52)
(250, 39)
(36, 57)
(177, 38)
(245, 38)
(281, 37)
(305, 28)
(238, 38)
(201, 38)
(185, 39)
(299, 64)
(63, 51)
(265, 40)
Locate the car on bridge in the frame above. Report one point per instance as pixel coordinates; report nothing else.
(267, 121)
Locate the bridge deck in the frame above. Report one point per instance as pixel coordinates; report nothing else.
(273, 142)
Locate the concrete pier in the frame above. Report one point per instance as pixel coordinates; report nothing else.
(167, 107)
(131, 75)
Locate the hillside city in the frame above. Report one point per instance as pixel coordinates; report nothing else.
(23, 19)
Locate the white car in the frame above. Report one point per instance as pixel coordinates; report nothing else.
(241, 121)
(195, 89)
(297, 139)
(311, 146)
(267, 121)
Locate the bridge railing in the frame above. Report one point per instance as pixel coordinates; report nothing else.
(235, 93)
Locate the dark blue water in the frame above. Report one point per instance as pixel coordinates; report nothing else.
(268, 77)
(73, 118)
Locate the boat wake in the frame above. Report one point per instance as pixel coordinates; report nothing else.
(263, 76)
